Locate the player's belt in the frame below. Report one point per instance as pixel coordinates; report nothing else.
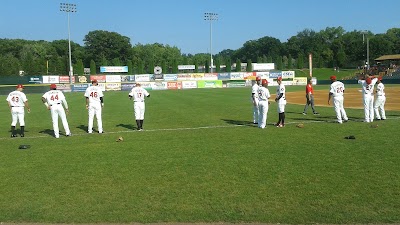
(16, 106)
(263, 100)
(56, 104)
(138, 101)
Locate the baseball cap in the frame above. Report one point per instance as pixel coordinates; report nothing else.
(20, 86)
(333, 77)
(264, 81)
(94, 81)
(368, 80)
(53, 86)
(258, 78)
(279, 78)
(379, 78)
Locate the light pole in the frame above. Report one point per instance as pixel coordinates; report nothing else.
(367, 62)
(211, 17)
(69, 8)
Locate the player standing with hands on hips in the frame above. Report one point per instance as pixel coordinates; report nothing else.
(281, 100)
(138, 94)
(380, 100)
(337, 90)
(263, 103)
(17, 102)
(52, 100)
(254, 98)
(310, 98)
(94, 104)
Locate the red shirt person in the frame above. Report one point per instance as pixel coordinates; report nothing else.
(310, 98)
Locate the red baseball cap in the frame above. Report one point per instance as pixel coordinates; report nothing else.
(53, 86)
(94, 81)
(379, 78)
(368, 80)
(279, 78)
(333, 77)
(264, 81)
(258, 78)
(20, 86)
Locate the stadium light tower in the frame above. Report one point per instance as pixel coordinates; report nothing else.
(365, 32)
(69, 8)
(211, 17)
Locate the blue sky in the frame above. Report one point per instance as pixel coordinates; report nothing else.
(181, 22)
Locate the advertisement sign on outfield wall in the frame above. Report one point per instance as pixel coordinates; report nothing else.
(197, 76)
(79, 87)
(224, 76)
(113, 86)
(234, 83)
(210, 76)
(64, 87)
(127, 86)
(184, 76)
(50, 79)
(142, 78)
(35, 80)
(83, 79)
(287, 74)
(159, 85)
(237, 76)
(65, 80)
(189, 84)
(113, 69)
(113, 78)
(300, 81)
(209, 84)
(263, 75)
(99, 78)
(170, 77)
(174, 85)
(127, 78)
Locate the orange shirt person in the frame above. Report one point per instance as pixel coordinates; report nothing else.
(310, 98)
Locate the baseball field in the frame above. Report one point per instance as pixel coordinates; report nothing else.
(200, 159)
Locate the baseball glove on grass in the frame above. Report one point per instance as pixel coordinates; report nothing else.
(300, 125)
(120, 138)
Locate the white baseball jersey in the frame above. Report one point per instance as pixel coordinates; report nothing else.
(138, 94)
(94, 93)
(380, 90)
(55, 97)
(337, 89)
(281, 90)
(254, 90)
(368, 89)
(263, 94)
(17, 99)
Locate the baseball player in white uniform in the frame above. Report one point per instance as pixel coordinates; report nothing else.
(17, 102)
(263, 103)
(138, 94)
(94, 104)
(52, 100)
(336, 91)
(254, 98)
(380, 100)
(368, 97)
(281, 100)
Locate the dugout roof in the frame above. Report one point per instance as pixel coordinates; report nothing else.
(388, 57)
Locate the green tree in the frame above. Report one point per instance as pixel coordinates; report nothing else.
(290, 62)
(279, 63)
(175, 66)
(116, 62)
(196, 67)
(79, 69)
(100, 44)
(228, 64)
(249, 66)
(238, 67)
(300, 61)
(164, 67)
(92, 67)
(130, 67)
(206, 66)
(217, 65)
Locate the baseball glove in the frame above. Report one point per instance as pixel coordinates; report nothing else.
(374, 125)
(300, 125)
(24, 146)
(120, 138)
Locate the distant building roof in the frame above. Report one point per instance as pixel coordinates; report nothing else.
(388, 57)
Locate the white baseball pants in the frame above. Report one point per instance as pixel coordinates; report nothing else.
(255, 110)
(56, 111)
(18, 114)
(339, 109)
(139, 109)
(95, 110)
(380, 106)
(262, 113)
(368, 100)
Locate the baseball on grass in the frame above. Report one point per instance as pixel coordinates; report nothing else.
(120, 138)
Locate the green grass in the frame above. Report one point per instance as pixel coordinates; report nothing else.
(200, 160)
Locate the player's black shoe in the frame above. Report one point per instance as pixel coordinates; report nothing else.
(69, 135)
(13, 135)
(22, 135)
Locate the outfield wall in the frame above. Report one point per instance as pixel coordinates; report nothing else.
(39, 84)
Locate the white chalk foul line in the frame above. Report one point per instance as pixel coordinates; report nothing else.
(182, 128)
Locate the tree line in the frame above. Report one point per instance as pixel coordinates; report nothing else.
(331, 47)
